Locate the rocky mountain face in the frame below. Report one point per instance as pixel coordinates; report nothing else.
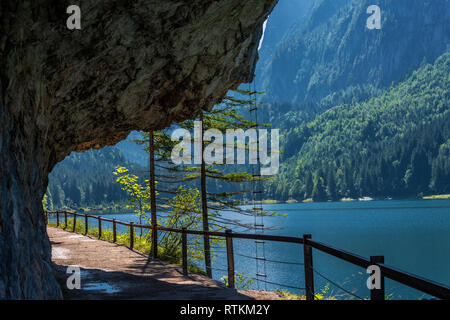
(334, 50)
(133, 66)
(287, 17)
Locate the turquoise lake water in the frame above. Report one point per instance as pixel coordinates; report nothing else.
(413, 235)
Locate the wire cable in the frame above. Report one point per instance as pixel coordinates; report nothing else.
(336, 285)
(254, 279)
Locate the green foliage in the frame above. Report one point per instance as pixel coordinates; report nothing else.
(84, 179)
(44, 202)
(323, 295)
(139, 194)
(396, 144)
(183, 211)
(318, 193)
(227, 185)
(241, 281)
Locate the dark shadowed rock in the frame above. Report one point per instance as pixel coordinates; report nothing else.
(134, 65)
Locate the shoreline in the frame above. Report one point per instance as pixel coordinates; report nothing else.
(111, 210)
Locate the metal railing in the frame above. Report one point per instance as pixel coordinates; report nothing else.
(430, 287)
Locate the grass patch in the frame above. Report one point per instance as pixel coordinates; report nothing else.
(323, 295)
(269, 201)
(440, 196)
(347, 199)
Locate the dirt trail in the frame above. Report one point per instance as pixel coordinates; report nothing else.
(113, 271)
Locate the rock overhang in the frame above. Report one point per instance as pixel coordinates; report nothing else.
(134, 65)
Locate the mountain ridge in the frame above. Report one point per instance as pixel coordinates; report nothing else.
(392, 145)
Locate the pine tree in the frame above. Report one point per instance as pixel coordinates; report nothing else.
(318, 193)
(223, 117)
(309, 185)
(331, 184)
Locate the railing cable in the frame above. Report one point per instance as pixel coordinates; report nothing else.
(336, 285)
(255, 279)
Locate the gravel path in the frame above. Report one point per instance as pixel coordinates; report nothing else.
(113, 271)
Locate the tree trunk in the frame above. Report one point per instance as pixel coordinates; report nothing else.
(206, 243)
(151, 142)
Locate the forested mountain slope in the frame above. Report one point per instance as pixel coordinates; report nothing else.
(86, 179)
(396, 144)
(333, 50)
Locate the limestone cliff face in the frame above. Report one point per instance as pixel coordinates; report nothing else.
(134, 65)
(334, 50)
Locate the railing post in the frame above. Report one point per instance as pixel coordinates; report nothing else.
(308, 264)
(74, 222)
(86, 223)
(57, 218)
(184, 251)
(378, 294)
(131, 235)
(114, 231)
(230, 258)
(65, 219)
(99, 227)
(154, 241)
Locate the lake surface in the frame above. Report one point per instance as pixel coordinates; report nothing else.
(413, 235)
